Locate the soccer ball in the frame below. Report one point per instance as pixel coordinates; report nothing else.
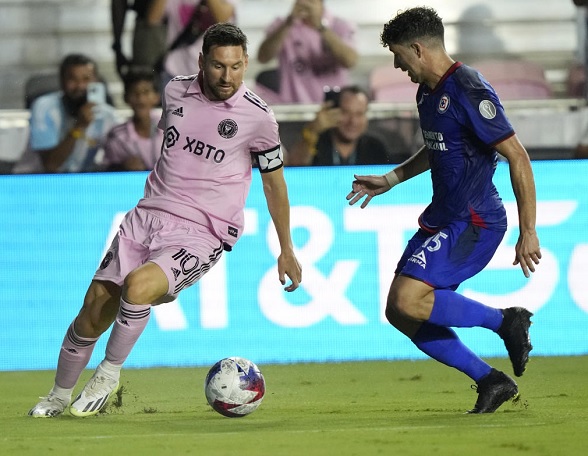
(234, 387)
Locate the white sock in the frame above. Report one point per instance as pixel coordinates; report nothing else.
(64, 393)
(112, 370)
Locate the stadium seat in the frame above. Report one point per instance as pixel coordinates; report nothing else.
(39, 84)
(267, 86)
(270, 79)
(391, 85)
(512, 79)
(515, 79)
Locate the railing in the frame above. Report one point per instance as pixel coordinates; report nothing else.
(10, 118)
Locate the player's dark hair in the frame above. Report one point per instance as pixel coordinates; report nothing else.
(135, 76)
(413, 24)
(223, 34)
(75, 60)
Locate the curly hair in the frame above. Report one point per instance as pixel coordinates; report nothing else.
(412, 24)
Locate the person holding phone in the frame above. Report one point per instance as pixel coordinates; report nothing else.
(339, 135)
(68, 127)
(314, 49)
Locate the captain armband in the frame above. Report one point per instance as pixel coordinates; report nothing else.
(392, 178)
(270, 160)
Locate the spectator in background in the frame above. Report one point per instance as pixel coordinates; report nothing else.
(186, 21)
(314, 48)
(577, 74)
(66, 129)
(577, 78)
(135, 145)
(581, 150)
(338, 135)
(148, 35)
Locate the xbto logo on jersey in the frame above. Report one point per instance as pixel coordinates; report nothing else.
(207, 151)
(227, 128)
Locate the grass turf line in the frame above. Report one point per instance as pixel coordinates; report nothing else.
(360, 408)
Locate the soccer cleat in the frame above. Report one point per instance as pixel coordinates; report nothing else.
(49, 406)
(94, 397)
(493, 391)
(514, 331)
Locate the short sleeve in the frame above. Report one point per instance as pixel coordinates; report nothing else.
(485, 116)
(45, 123)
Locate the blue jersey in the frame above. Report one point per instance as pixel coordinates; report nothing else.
(462, 120)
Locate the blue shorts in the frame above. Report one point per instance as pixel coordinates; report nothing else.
(445, 259)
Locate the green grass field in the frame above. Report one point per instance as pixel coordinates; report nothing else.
(363, 408)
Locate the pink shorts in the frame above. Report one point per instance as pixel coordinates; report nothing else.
(184, 250)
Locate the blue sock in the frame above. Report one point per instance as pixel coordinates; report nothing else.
(453, 309)
(443, 345)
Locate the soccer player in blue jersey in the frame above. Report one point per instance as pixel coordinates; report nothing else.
(464, 127)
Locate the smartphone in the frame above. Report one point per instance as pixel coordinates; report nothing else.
(96, 93)
(332, 94)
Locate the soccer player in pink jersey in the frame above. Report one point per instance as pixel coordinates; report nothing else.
(192, 210)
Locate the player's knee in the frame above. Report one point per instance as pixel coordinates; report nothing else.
(400, 305)
(141, 288)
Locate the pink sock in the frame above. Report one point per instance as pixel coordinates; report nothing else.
(73, 357)
(128, 326)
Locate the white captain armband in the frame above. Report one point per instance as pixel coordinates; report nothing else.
(270, 160)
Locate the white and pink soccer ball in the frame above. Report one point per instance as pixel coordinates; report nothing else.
(234, 387)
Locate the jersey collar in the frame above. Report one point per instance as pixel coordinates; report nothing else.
(448, 73)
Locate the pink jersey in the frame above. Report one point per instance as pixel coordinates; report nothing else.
(204, 172)
(305, 67)
(123, 142)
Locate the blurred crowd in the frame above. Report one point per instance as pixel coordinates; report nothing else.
(76, 128)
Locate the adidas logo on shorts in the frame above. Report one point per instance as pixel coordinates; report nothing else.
(178, 112)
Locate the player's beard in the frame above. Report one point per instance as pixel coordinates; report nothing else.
(219, 93)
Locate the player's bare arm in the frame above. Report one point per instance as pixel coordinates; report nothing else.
(55, 157)
(370, 186)
(527, 250)
(276, 194)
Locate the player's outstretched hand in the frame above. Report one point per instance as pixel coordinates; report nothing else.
(527, 252)
(288, 265)
(368, 186)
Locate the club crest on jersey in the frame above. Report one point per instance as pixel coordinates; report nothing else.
(107, 259)
(443, 104)
(227, 128)
(487, 109)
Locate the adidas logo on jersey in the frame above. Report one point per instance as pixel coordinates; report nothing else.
(178, 112)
